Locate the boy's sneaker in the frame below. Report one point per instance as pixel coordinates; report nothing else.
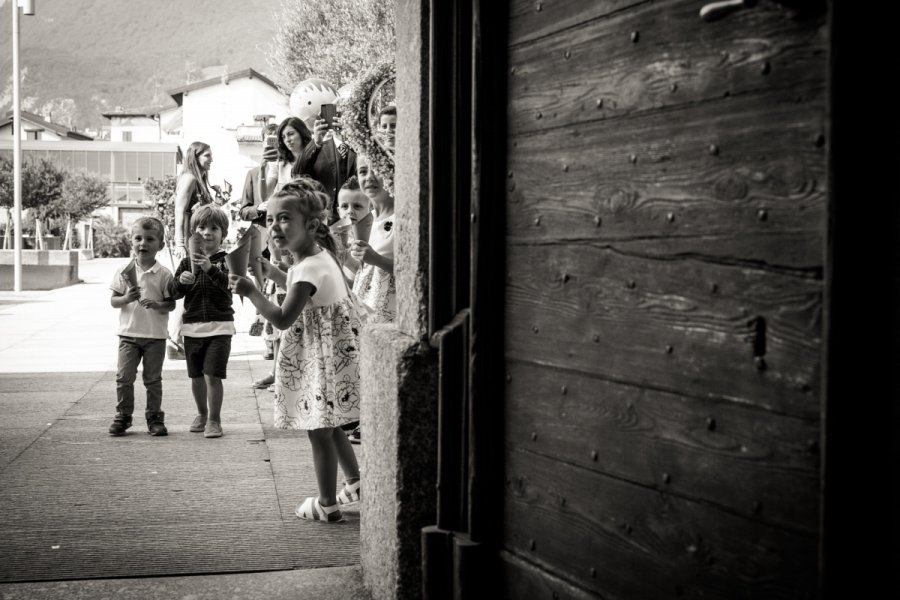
(120, 424)
(155, 425)
(213, 429)
(199, 424)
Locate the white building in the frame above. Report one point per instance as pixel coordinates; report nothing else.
(222, 111)
(134, 125)
(36, 128)
(125, 165)
(171, 119)
(213, 111)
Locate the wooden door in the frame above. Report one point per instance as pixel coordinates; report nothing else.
(666, 214)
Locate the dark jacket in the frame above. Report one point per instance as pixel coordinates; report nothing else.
(209, 298)
(326, 166)
(250, 199)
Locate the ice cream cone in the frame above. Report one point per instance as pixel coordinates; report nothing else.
(341, 225)
(195, 246)
(256, 244)
(237, 260)
(341, 230)
(129, 275)
(363, 228)
(247, 249)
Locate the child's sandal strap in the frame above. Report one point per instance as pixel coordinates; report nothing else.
(312, 510)
(349, 494)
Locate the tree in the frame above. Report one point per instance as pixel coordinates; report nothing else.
(335, 40)
(161, 193)
(42, 184)
(82, 194)
(110, 238)
(6, 196)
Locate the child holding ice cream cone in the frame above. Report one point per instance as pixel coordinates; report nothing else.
(208, 321)
(141, 292)
(354, 210)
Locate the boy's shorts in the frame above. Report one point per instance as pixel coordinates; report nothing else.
(207, 355)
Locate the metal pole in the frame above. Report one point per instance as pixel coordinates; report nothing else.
(17, 153)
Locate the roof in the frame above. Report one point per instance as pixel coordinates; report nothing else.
(93, 145)
(177, 94)
(149, 112)
(173, 120)
(44, 124)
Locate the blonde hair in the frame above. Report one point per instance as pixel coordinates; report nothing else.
(308, 197)
(151, 223)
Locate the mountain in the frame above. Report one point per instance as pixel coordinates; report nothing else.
(81, 58)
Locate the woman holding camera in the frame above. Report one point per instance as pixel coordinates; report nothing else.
(291, 137)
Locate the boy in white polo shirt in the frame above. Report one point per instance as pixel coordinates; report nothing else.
(142, 290)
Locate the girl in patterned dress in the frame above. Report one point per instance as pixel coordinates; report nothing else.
(374, 283)
(317, 371)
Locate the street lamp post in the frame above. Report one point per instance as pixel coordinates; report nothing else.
(28, 9)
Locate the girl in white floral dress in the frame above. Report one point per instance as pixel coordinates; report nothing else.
(317, 371)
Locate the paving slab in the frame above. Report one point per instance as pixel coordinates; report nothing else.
(336, 583)
(87, 515)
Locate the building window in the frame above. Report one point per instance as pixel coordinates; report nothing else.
(126, 136)
(32, 135)
(127, 216)
(127, 193)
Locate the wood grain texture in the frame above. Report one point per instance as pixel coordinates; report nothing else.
(642, 543)
(522, 579)
(597, 70)
(757, 199)
(750, 462)
(533, 19)
(666, 217)
(662, 324)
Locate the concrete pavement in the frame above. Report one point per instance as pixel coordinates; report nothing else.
(87, 515)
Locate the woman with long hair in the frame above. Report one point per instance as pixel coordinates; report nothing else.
(191, 190)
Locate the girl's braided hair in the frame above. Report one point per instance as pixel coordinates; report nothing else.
(309, 198)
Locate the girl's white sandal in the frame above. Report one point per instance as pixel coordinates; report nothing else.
(349, 494)
(312, 510)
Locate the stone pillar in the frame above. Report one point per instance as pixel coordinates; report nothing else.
(399, 395)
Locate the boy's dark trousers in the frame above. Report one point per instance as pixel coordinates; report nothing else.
(131, 351)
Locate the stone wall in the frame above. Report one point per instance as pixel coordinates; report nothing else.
(41, 269)
(399, 411)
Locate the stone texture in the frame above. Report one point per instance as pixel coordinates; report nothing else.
(399, 413)
(399, 410)
(411, 181)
